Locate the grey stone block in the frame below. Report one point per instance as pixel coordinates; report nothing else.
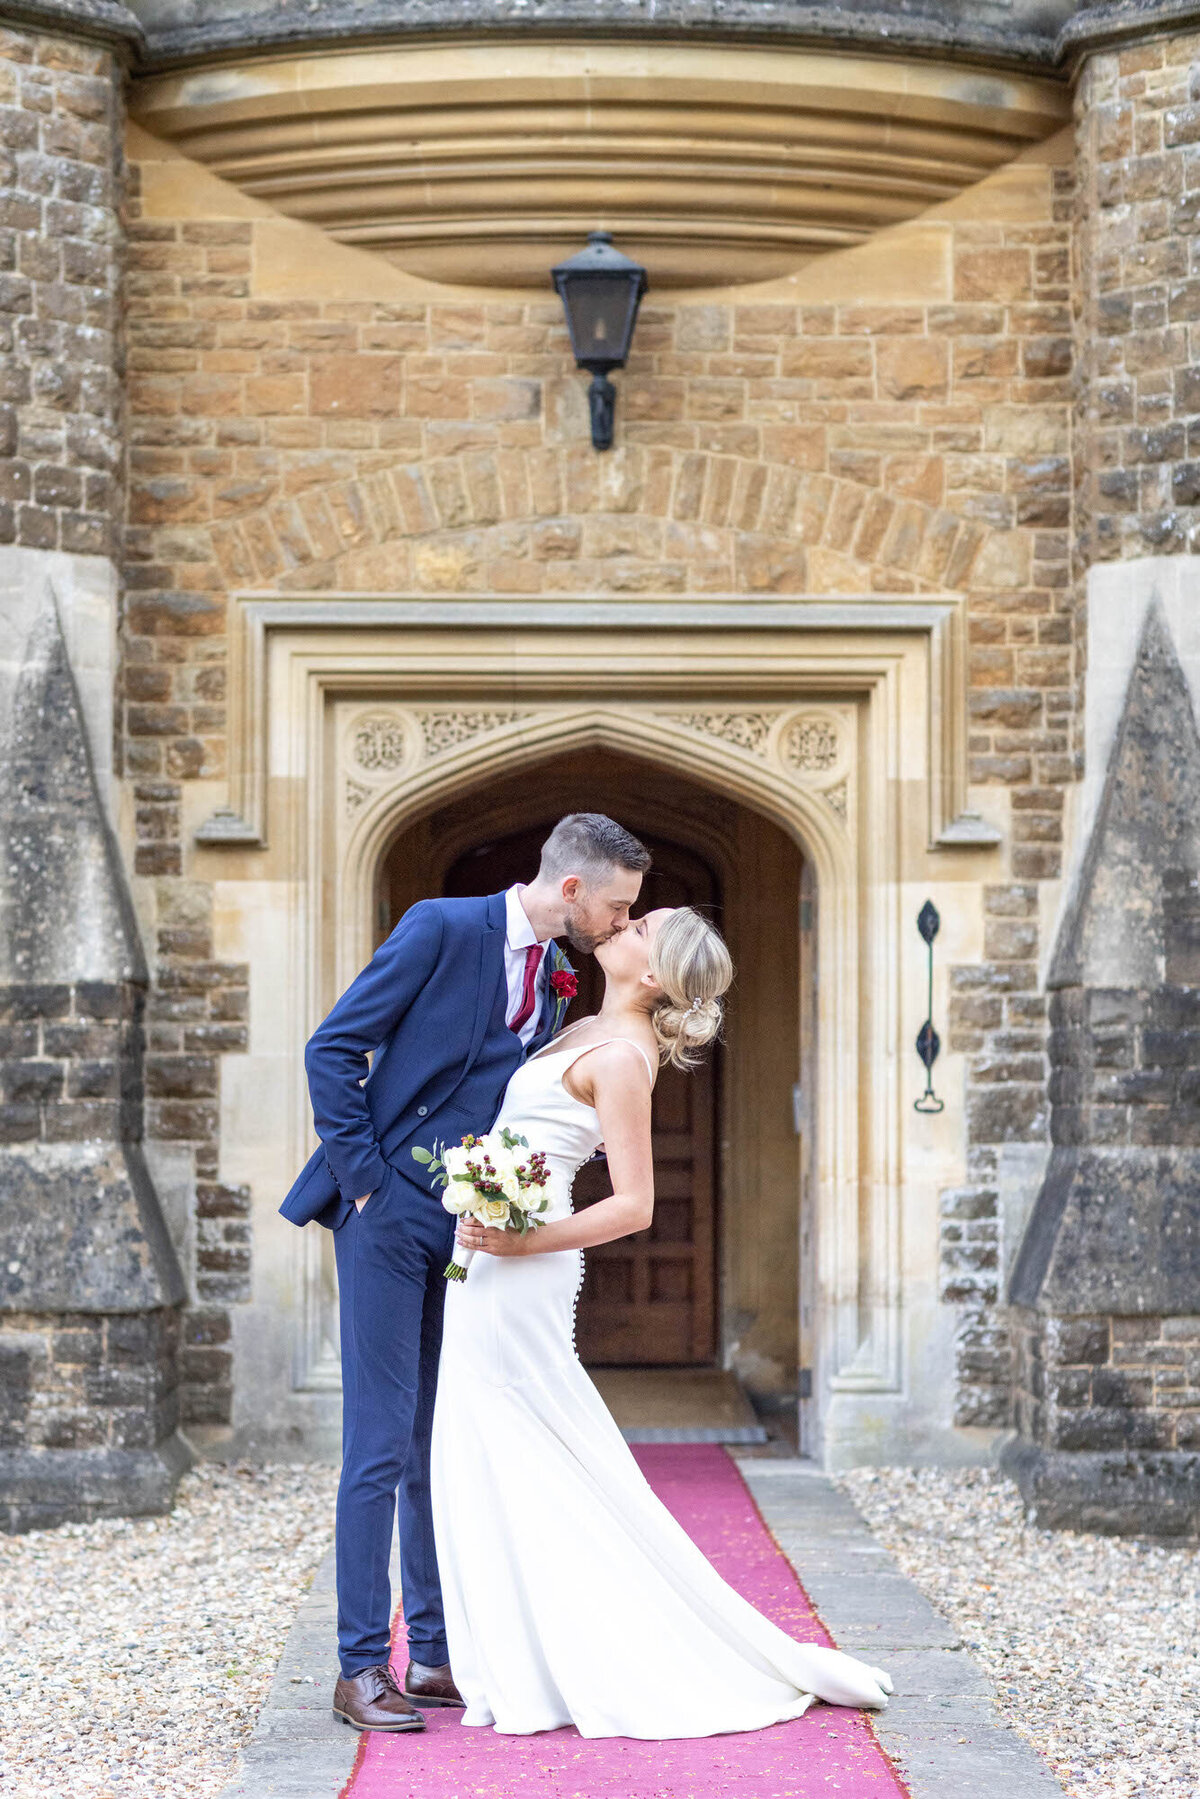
(41, 1488)
(955, 1748)
(921, 1674)
(1115, 1493)
(878, 1608)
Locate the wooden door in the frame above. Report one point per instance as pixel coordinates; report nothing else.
(650, 1299)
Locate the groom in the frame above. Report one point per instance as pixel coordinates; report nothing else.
(451, 1004)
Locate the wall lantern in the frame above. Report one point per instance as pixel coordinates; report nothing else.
(600, 290)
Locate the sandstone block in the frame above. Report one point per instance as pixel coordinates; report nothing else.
(703, 328)
(827, 359)
(365, 386)
(800, 446)
(644, 397)
(992, 274)
(506, 399)
(556, 540)
(765, 565)
(710, 399)
(271, 394)
(912, 368)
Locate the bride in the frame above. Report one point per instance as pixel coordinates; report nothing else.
(572, 1596)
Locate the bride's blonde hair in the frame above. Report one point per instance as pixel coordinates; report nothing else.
(691, 964)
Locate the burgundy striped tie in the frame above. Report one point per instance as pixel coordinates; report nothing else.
(533, 961)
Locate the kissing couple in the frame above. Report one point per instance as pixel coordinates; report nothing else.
(544, 1583)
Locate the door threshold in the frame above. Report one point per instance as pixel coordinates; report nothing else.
(678, 1405)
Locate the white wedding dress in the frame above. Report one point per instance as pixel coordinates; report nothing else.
(572, 1596)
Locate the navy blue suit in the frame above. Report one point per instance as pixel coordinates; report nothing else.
(431, 1005)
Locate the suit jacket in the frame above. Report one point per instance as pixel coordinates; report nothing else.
(423, 1004)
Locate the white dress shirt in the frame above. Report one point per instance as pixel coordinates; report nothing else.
(519, 935)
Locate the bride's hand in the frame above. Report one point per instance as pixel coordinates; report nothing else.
(473, 1235)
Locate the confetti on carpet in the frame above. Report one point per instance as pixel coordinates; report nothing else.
(829, 1751)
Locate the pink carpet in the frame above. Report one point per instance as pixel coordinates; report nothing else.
(827, 1751)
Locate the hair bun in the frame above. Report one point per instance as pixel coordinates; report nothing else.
(692, 966)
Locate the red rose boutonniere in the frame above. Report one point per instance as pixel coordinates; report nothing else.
(564, 985)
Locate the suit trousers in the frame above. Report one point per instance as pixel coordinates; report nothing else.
(390, 1260)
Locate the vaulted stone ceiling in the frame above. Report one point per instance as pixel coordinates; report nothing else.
(482, 161)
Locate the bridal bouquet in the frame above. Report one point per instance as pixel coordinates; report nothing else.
(489, 1178)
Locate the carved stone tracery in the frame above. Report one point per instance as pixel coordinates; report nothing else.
(380, 744)
(444, 728)
(838, 798)
(748, 730)
(811, 745)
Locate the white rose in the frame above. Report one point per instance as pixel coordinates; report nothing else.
(493, 1212)
(457, 1196)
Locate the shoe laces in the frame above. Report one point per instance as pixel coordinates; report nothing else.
(384, 1679)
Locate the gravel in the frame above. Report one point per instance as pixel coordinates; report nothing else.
(135, 1654)
(1092, 1644)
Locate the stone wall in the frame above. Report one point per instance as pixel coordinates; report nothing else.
(98, 1393)
(1104, 1288)
(90, 1287)
(61, 179)
(1137, 298)
(1104, 1283)
(196, 1014)
(62, 396)
(1115, 1403)
(1119, 1383)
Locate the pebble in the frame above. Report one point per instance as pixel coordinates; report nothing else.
(1092, 1644)
(135, 1653)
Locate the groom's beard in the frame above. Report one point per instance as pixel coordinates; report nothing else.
(584, 941)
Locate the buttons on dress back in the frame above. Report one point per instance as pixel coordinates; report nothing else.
(579, 1282)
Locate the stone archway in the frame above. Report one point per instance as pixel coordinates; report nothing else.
(841, 725)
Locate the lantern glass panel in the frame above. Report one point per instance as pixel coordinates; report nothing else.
(600, 313)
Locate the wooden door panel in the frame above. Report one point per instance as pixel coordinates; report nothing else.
(672, 1221)
(647, 1299)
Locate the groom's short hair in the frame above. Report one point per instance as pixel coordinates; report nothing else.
(589, 844)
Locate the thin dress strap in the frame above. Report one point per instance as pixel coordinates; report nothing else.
(603, 1043)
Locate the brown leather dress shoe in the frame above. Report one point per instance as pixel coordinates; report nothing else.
(371, 1700)
(432, 1686)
